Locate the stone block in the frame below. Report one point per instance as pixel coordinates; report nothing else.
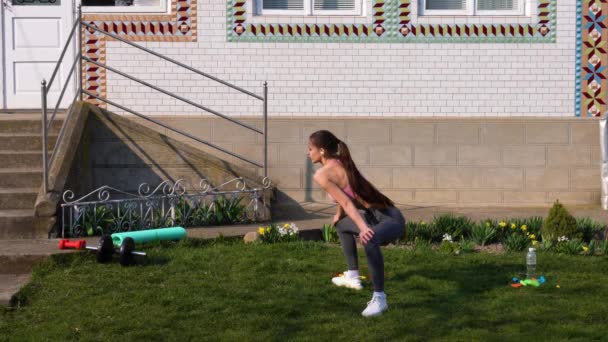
(226, 131)
(547, 133)
(586, 178)
(434, 155)
(282, 131)
(390, 155)
(459, 178)
(381, 178)
(524, 197)
(256, 153)
(480, 197)
(423, 196)
(549, 179)
(286, 177)
(251, 237)
(411, 132)
(368, 131)
(525, 155)
(502, 133)
(413, 178)
(302, 195)
(294, 155)
(596, 155)
(587, 132)
(458, 132)
(503, 178)
(572, 197)
(476, 155)
(359, 153)
(572, 155)
(198, 127)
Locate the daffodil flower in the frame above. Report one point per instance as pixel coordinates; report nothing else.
(422, 223)
(261, 231)
(488, 224)
(585, 248)
(502, 224)
(524, 228)
(513, 226)
(532, 236)
(534, 243)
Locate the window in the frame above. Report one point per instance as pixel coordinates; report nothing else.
(471, 7)
(310, 7)
(122, 6)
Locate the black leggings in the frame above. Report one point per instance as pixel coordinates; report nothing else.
(388, 225)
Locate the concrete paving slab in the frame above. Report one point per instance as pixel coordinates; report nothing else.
(10, 284)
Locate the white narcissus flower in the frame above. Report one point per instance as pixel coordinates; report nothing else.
(447, 237)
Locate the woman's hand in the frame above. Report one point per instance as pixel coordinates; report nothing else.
(365, 234)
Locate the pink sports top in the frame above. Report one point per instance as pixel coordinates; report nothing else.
(347, 190)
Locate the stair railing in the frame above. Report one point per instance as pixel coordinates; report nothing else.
(46, 123)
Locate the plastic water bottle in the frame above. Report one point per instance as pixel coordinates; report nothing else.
(531, 263)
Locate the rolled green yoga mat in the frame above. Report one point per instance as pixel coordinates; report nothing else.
(173, 233)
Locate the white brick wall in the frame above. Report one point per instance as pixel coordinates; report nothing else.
(353, 79)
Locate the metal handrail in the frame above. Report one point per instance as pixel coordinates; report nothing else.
(62, 92)
(46, 124)
(171, 128)
(173, 61)
(65, 48)
(183, 99)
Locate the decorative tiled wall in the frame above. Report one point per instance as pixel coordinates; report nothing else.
(392, 21)
(179, 26)
(591, 57)
(522, 79)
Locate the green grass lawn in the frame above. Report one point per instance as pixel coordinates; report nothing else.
(230, 291)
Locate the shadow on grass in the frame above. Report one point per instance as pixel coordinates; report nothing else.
(467, 282)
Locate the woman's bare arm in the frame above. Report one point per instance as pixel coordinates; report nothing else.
(365, 233)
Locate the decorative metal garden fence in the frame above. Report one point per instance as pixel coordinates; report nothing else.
(107, 210)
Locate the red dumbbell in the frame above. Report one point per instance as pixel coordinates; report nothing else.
(67, 244)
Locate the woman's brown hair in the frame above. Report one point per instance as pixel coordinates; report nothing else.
(362, 187)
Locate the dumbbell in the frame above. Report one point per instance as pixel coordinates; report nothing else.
(67, 244)
(105, 248)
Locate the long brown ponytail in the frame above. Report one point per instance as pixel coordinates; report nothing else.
(362, 187)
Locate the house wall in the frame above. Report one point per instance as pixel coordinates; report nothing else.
(430, 119)
(387, 76)
(454, 161)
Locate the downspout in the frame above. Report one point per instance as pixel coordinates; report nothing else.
(604, 165)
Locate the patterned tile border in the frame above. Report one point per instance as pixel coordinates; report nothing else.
(591, 58)
(179, 26)
(392, 23)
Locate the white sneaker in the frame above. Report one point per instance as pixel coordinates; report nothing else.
(375, 307)
(343, 280)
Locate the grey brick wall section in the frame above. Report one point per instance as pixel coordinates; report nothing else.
(428, 161)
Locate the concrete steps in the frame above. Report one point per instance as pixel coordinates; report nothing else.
(21, 159)
(10, 284)
(24, 141)
(17, 224)
(17, 259)
(18, 198)
(21, 171)
(20, 178)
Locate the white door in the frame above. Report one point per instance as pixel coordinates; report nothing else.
(35, 32)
